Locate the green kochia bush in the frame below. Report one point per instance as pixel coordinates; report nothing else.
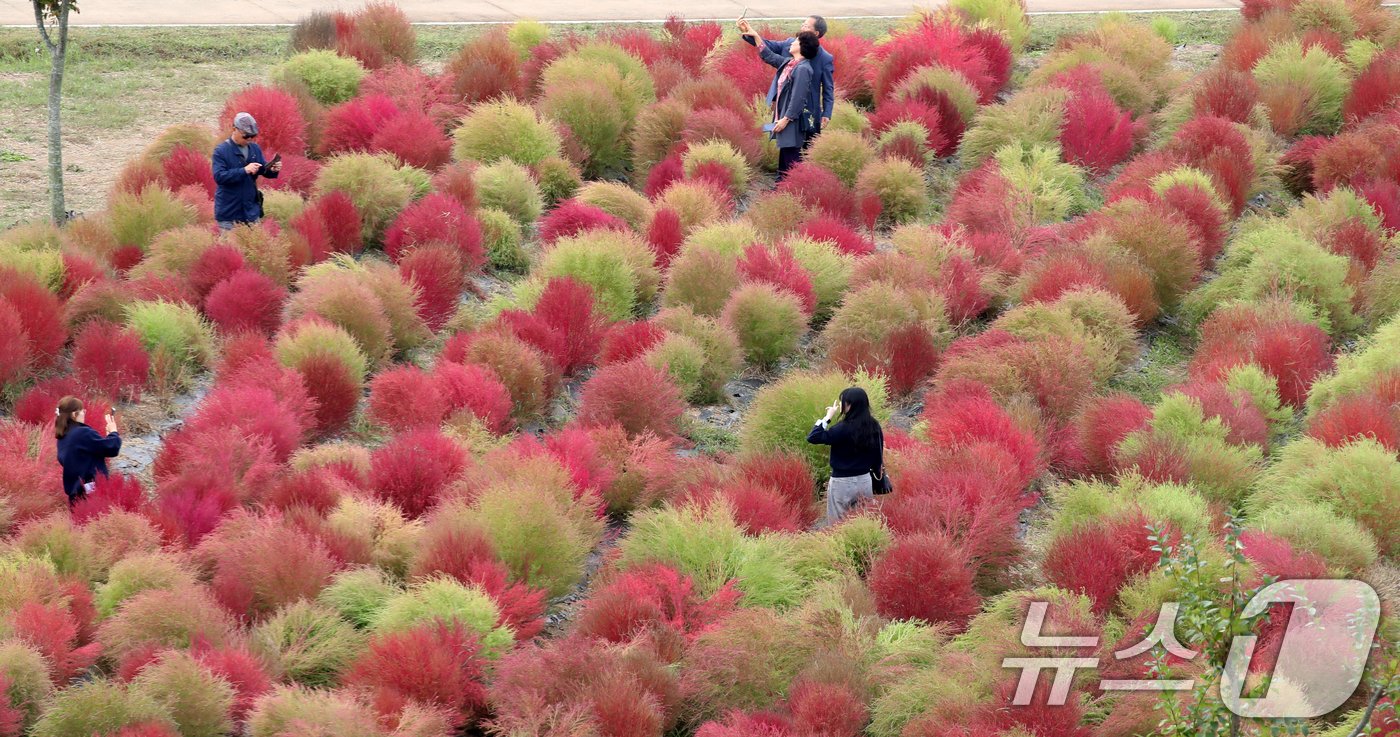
(308, 644)
(843, 153)
(199, 702)
(138, 573)
(618, 200)
(500, 236)
(28, 674)
(1360, 480)
(137, 218)
(330, 77)
(288, 708)
(782, 414)
(178, 339)
(1358, 371)
(615, 264)
(1275, 259)
(718, 344)
(507, 186)
(358, 594)
(98, 707)
(505, 129)
(448, 600)
(1289, 76)
(591, 113)
(768, 322)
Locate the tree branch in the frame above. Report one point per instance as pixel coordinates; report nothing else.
(1366, 718)
(39, 21)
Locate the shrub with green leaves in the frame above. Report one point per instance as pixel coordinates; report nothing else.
(378, 528)
(1358, 371)
(309, 338)
(900, 187)
(1050, 190)
(1222, 470)
(138, 218)
(702, 279)
(307, 643)
(1030, 116)
(446, 599)
(28, 675)
(282, 205)
(142, 572)
(830, 270)
(618, 200)
(330, 77)
(1302, 89)
(588, 108)
(624, 76)
(782, 414)
(358, 594)
(683, 360)
(288, 709)
(526, 34)
(843, 153)
(723, 154)
(768, 322)
(1090, 316)
(616, 264)
(500, 236)
(1007, 16)
(178, 339)
(199, 702)
(98, 707)
(373, 183)
(505, 129)
(719, 345)
(166, 618)
(1347, 547)
(507, 186)
(1276, 260)
(939, 78)
(538, 529)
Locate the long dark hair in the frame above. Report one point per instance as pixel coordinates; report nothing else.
(68, 408)
(864, 428)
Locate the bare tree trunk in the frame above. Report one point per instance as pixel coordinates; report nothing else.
(57, 209)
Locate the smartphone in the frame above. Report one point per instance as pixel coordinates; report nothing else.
(768, 127)
(274, 161)
(746, 13)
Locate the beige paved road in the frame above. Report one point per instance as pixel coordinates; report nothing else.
(142, 12)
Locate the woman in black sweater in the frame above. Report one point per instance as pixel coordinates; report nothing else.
(81, 451)
(857, 443)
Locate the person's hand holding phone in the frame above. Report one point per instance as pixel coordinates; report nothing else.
(833, 410)
(276, 164)
(111, 422)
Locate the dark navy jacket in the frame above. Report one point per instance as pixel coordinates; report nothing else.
(846, 458)
(821, 97)
(236, 199)
(83, 454)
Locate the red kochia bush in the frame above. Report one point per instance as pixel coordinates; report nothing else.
(663, 174)
(335, 389)
(53, 631)
(651, 596)
(435, 270)
(1355, 417)
(39, 311)
(281, 127)
(759, 510)
(1385, 201)
(466, 554)
(724, 124)
(437, 218)
(114, 491)
(634, 395)
(568, 314)
(933, 42)
(932, 109)
(1102, 424)
(435, 664)
(925, 577)
(277, 414)
(963, 413)
(243, 670)
(185, 166)
(1290, 350)
(261, 565)
(455, 181)
(474, 389)
(630, 340)
(845, 238)
(826, 709)
(79, 269)
(352, 125)
(336, 222)
(1214, 146)
(745, 69)
(1226, 93)
(485, 68)
(818, 188)
(247, 300)
(415, 139)
(111, 361)
(14, 351)
(665, 235)
(1096, 134)
(788, 475)
(1375, 89)
(215, 264)
(12, 716)
(778, 266)
(573, 217)
(404, 398)
(412, 469)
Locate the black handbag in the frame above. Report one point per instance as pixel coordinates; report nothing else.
(880, 481)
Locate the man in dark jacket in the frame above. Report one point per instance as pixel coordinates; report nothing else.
(238, 162)
(822, 96)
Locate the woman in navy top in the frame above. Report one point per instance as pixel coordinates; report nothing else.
(81, 451)
(856, 444)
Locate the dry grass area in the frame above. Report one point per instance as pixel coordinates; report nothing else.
(126, 84)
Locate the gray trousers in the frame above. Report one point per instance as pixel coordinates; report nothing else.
(227, 225)
(846, 493)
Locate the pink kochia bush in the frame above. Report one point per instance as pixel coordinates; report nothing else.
(435, 664)
(246, 300)
(412, 469)
(565, 325)
(573, 217)
(110, 361)
(262, 564)
(437, 218)
(925, 577)
(281, 126)
(649, 598)
(634, 395)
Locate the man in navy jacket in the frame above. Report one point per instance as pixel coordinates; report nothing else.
(823, 96)
(238, 162)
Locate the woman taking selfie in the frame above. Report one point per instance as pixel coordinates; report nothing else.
(857, 448)
(81, 451)
(792, 121)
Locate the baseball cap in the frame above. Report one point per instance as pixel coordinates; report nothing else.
(245, 123)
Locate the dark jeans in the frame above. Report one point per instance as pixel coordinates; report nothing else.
(812, 134)
(227, 225)
(787, 158)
